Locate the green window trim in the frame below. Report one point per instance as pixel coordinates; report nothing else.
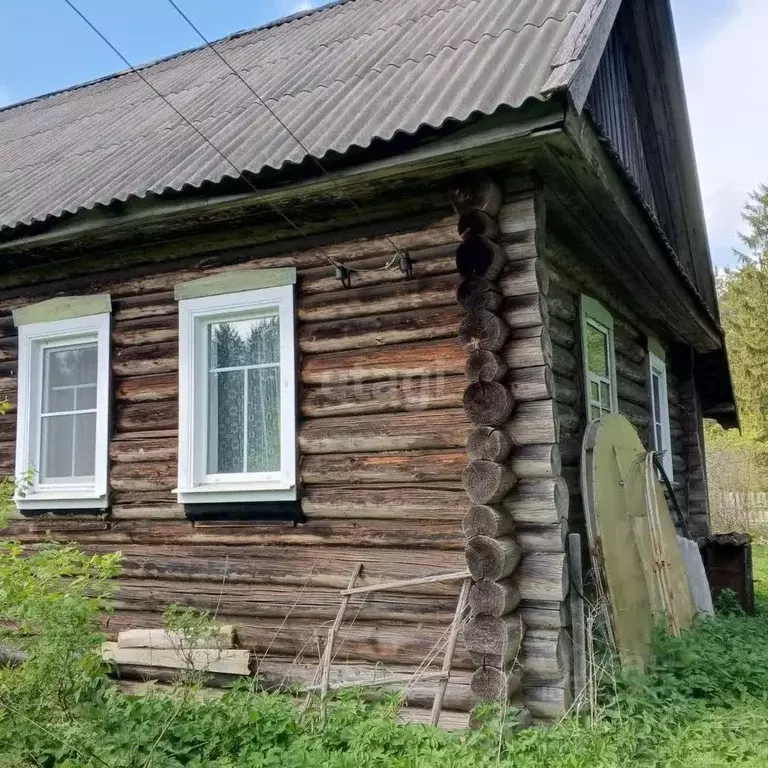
(596, 321)
(234, 281)
(655, 348)
(62, 308)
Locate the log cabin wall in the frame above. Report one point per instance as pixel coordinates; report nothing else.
(382, 440)
(568, 280)
(516, 528)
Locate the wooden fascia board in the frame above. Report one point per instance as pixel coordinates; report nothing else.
(602, 183)
(488, 143)
(578, 57)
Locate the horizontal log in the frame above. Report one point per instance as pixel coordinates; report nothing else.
(416, 467)
(141, 331)
(153, 675)
(546, 654)
(548, 703)
(533, 422)
(488, 402)
(166, 511)
(440, 357)
(492, 684)
(145, 305)
(144, 450)
(360, 301)
(293, 567)
(370, 533)
(527, 311)
(543, 539)
(449, 720)
(222, 637)
(481, 329)
(387, 396)
(302, 639)
(535, 461)
(538, 502)
(484, 365)
(536, 383)
(332, 502)
(492, 559)
(542, 577)
(488, 444)
(524, 276)
(523, 245)
(567, 391)
(379, 330)
(542, 615)
(528, 351)
(628, 369)
(146, 359)
(135, 417)
(518, 215)
(564, 362)
(493, 641)
(560, 304)
(279, 674)
(495, 598)
(431, 261)
(257, 600)
(436, 429)
(147, 388)
(487, 482)
(144, 476)
(632, 392)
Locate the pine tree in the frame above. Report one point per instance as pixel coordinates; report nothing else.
(744, 312)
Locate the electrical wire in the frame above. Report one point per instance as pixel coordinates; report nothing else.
(315, 160)
(260, 194)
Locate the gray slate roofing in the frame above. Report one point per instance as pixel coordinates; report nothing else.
(339, 77)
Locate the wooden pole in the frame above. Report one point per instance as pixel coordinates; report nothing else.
(328, 652)
(403, 583)
(576, 600)
(442, 686)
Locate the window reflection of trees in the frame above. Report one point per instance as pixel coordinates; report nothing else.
(245, 396)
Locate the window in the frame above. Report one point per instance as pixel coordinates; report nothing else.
(237, 411)
(63, 410)
(660, 431)
(599, 359)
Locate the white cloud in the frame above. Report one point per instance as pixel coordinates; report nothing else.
(725, 84)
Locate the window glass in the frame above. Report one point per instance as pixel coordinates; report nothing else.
(68, 413)
(244, 396)
(597, 351)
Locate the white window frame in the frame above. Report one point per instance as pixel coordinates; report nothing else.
(195, 485)
(594, 315)
(658, 366)
(34, 339)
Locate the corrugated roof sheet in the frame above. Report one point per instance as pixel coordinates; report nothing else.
(339, 77)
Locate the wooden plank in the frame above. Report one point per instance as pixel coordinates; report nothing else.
(226, 660)
(223, 637)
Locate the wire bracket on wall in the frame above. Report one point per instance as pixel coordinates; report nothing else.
(406, 265)
(344, 275)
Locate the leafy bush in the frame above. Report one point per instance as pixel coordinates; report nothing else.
(703, 702)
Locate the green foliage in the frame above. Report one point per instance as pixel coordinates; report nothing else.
(743, 296)
(703, 702)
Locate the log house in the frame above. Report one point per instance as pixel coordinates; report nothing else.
(537, 208)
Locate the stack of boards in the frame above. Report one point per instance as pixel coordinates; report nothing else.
(632, 539)
(160, 649)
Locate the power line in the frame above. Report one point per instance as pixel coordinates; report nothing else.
(398, 252)
(261, 195)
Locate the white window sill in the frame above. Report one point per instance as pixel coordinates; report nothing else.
(232, 494)
(33, 501)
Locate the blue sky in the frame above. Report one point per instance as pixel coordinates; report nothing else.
(45, 47)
